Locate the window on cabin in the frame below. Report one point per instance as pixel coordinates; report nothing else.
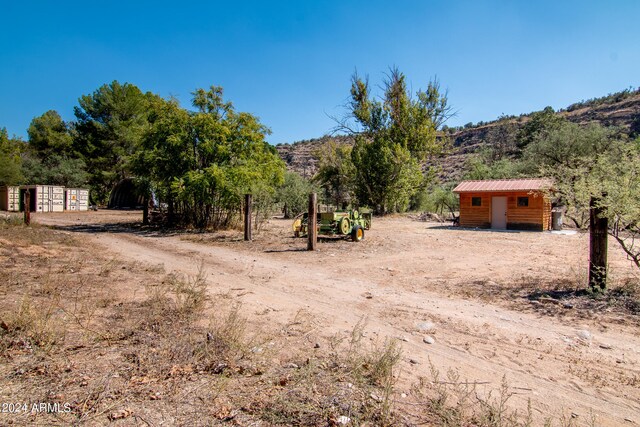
(476, 201)
(523, 202)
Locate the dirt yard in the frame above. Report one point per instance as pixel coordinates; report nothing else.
(482, 306)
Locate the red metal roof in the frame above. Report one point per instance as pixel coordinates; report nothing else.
(527, 184)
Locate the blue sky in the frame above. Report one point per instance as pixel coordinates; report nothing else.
(290, 62)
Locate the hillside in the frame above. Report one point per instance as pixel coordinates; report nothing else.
(620, 109)
(301, 156)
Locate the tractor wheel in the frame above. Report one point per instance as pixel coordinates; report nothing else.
(344, 226)
(357, 233)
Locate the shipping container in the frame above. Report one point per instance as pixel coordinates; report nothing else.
(44, 198)
(10, 198)
(76, 199)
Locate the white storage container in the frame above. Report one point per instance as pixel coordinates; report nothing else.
(10, 198)
(45, 198)
(76, 199)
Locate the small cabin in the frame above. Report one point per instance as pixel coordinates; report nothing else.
(506, 204)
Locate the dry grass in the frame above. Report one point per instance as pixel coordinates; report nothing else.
(451, 401)
(115, 342)
(170, 353)
(353, 383)
(32, 328)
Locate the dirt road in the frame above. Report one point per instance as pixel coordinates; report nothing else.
(410, 280)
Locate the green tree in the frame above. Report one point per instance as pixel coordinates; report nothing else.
(110, 124)
(393, 137)
(293, 194)
(163, 155)
(538, 127)
(10, 160)
(484, 165)
(201, 163)
(443, 199)
(335, 173)
(386, 175)
(580, 160)
(50, 135)
(54, 170)
(569, 153)
(503, 139)
(50, 158)
(621, 200)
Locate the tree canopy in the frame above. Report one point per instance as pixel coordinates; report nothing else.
(569, 153)
(50, 157)
(393, 138)
(198, 163)
(201, 163)
(10, 160)
(110, 124)
(335, 172)
(50, 135)
(293, 194)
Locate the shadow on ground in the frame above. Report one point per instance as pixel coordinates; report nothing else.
(128, 228)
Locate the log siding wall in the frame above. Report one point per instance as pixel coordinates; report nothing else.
(536, 216)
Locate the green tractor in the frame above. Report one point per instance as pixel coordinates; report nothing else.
(341, 223)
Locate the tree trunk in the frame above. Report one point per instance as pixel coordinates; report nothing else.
(170, 212)
(145, 210)
(247, 217)
(598, 228)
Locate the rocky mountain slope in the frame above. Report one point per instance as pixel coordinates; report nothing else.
(620, 109)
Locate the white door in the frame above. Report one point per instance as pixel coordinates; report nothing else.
(499, 212)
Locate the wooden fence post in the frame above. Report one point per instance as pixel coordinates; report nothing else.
(312, 230)
(247, 217)
(598, 236)
(27, 207)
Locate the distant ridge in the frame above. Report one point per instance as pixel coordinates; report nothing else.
(621, 109)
